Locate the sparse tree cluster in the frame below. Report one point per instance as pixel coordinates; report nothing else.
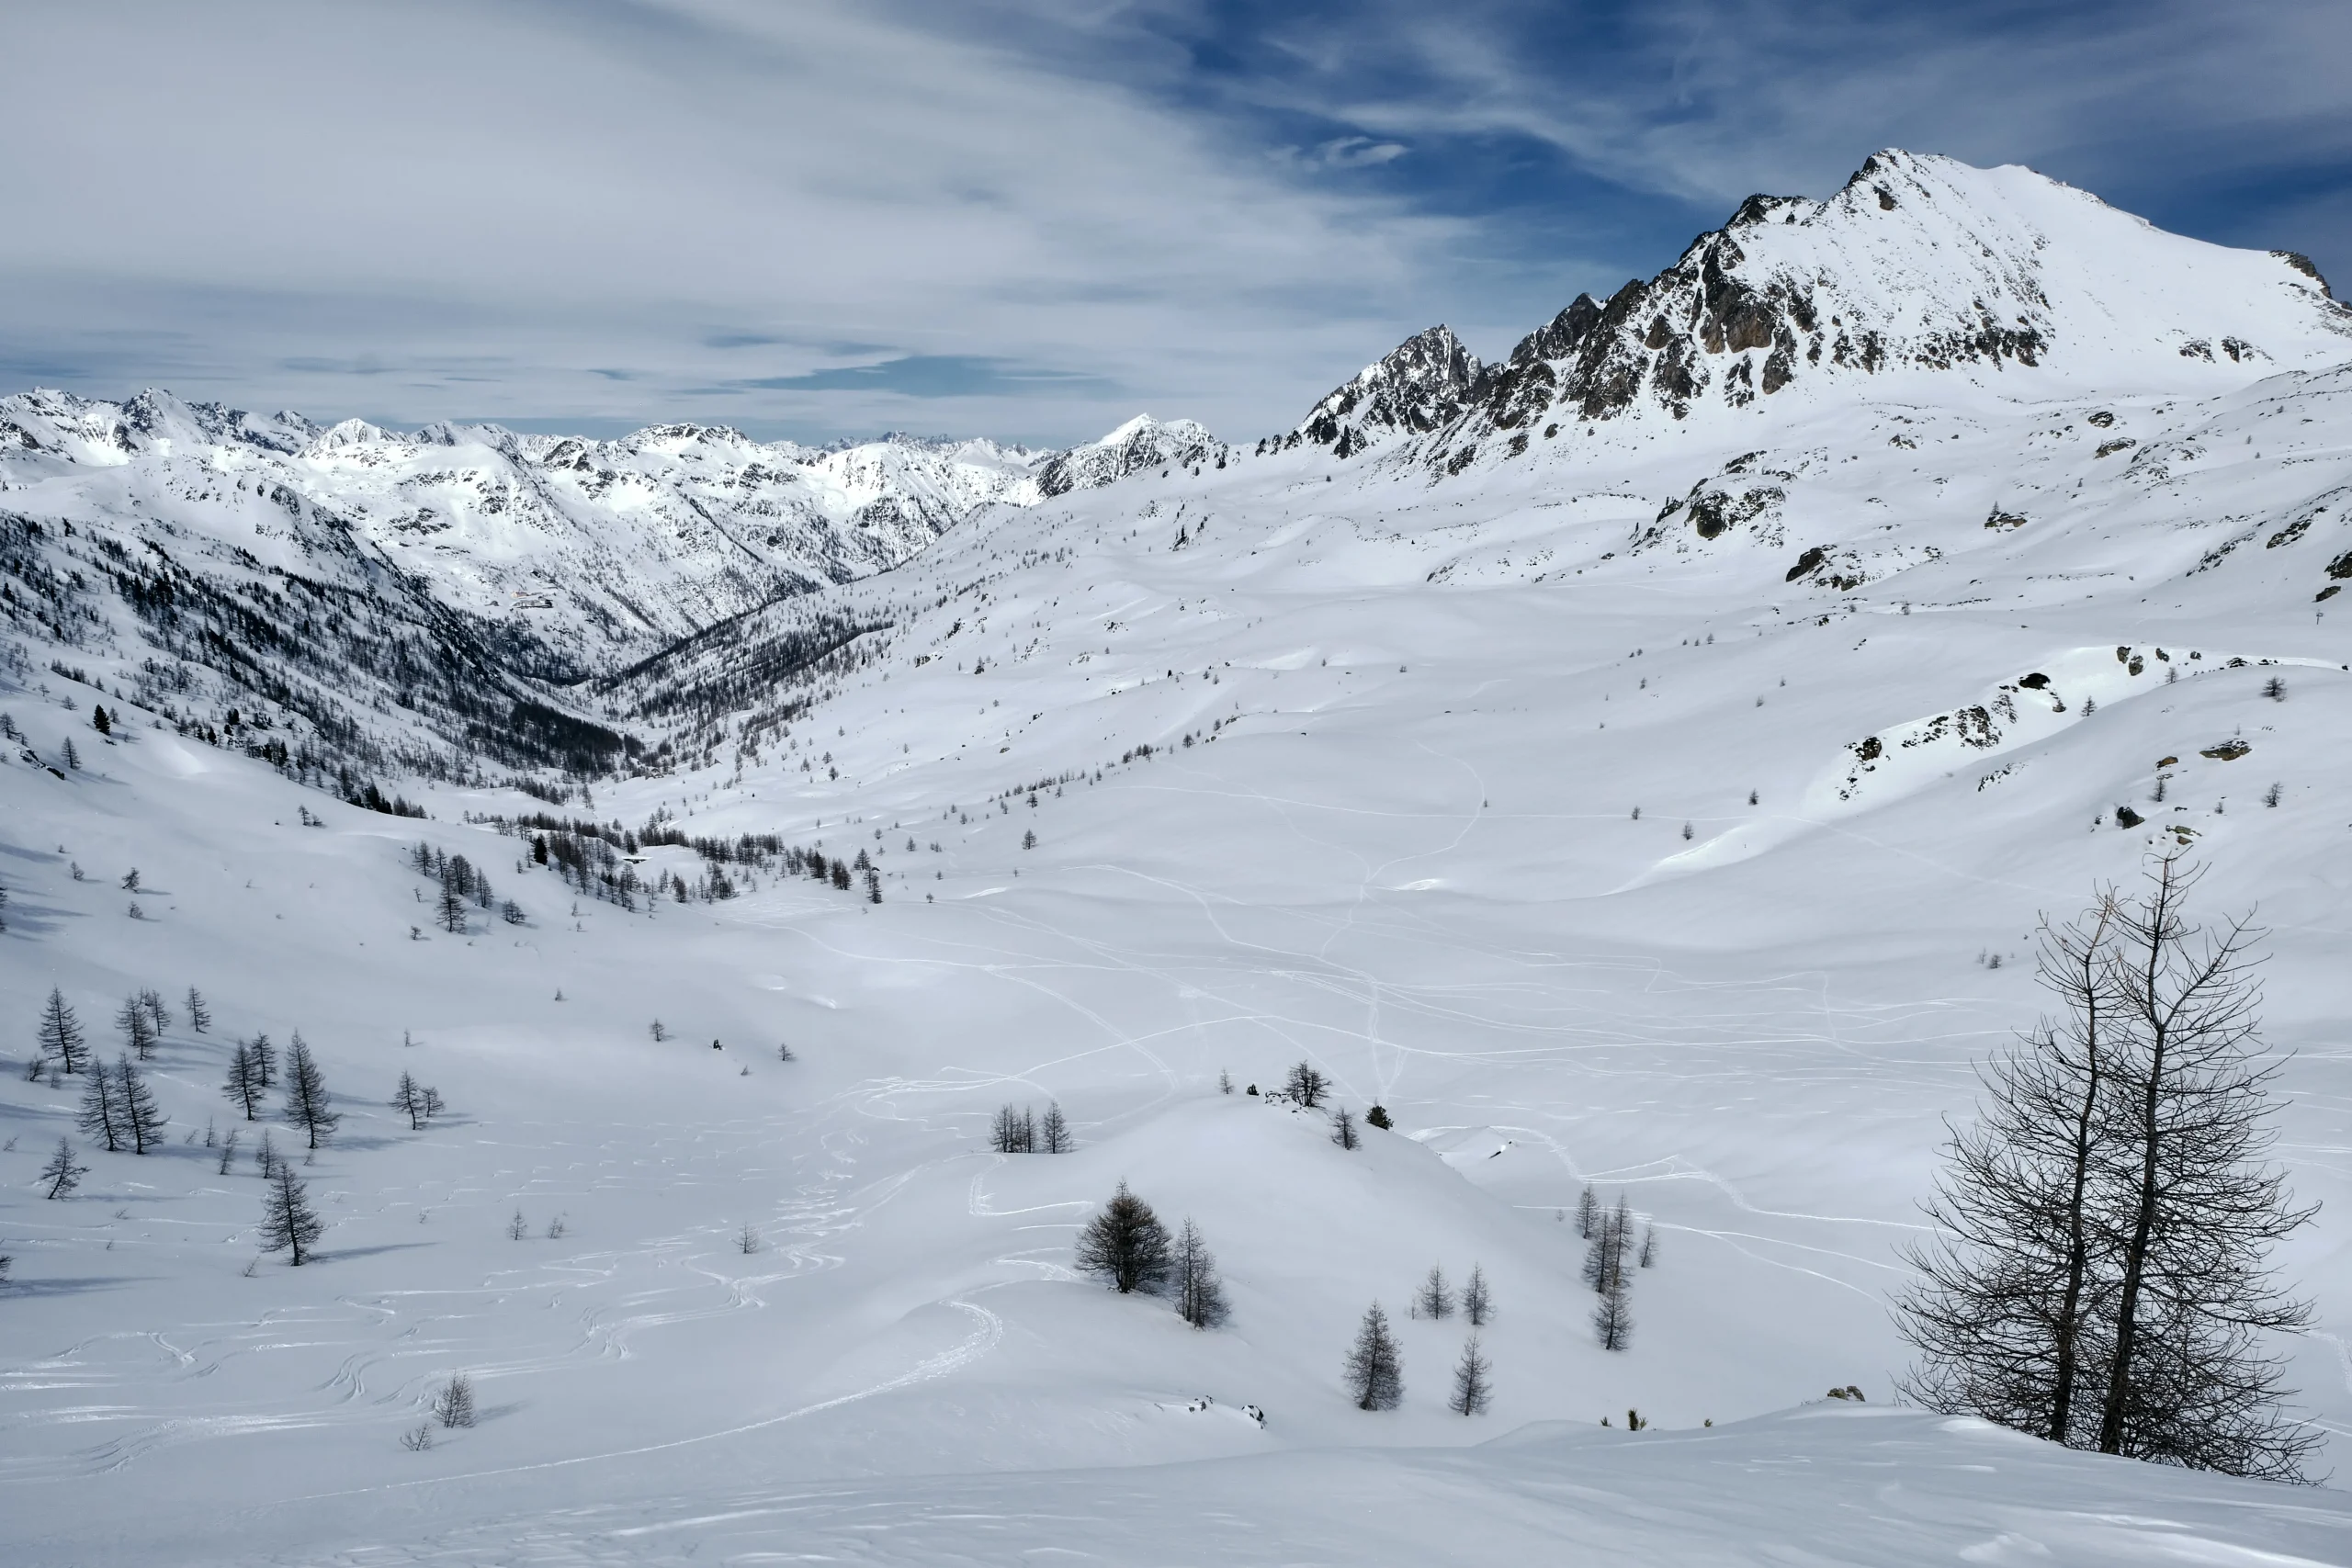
(419, 1101)
(2103, 1277)
(1018, 1130)
(120, 1110)
(1607, 1250)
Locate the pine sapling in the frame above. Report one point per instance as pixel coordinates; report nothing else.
(60, 1033)
(1477, 1302)
(1473, 1380)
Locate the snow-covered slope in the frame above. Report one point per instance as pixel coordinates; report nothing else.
(1666, 811)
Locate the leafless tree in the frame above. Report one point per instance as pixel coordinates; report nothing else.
(453, 1405)
(2004, 1302)
(63, 1172)
(2104, 1277)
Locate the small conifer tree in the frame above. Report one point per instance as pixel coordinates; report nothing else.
(307, 1103)
(1478, 1300)
(1374, 1369)
(60, 1033)
(1473, 1380)
(143, 1118)
(287, 1221)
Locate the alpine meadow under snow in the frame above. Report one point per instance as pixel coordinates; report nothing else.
(1396, 992)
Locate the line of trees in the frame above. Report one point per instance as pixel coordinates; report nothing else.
(2102, 1274)
(1018, 1130)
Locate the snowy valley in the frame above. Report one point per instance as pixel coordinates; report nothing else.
(1636, 766)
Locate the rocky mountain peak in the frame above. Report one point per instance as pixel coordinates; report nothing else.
(1410, 388)
(1142, 443)
(1918, 264)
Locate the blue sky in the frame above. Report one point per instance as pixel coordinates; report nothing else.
(1023, 218)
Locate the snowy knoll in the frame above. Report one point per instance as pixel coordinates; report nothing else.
(1666, 816)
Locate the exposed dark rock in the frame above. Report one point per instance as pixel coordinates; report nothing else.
(2302, 263)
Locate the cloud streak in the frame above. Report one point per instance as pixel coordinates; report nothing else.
(1025, 218)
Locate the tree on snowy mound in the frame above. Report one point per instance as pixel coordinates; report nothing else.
(1125, 1245)
(2103, 1278)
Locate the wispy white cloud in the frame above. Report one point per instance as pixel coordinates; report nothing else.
(600, 207)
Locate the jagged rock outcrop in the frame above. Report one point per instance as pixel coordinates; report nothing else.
(1417, 386)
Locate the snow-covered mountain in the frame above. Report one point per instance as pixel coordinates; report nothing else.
(1663, 810)
(590, 553)
(1140, 445)
(1417, 386)
(1920, 265)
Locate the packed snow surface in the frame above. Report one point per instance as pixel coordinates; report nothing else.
(1664, 808)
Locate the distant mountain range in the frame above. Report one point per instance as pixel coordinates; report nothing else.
(467, 591)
